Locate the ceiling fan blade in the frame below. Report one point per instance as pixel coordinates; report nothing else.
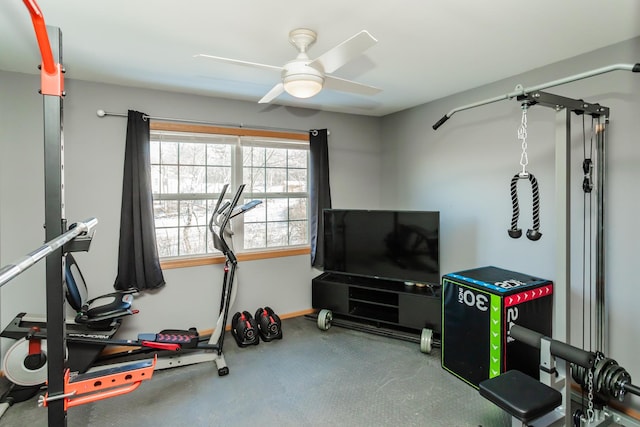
(345, 51)
(275, 92)
(238, 62)
(335, 83)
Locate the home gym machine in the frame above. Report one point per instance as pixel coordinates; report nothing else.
(63, 391)
(25, 362)
(79, 389)
(611, 380)
(97, 318)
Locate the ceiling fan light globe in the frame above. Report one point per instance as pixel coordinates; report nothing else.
(303, 86)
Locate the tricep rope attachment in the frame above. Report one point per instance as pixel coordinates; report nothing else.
(515, 232)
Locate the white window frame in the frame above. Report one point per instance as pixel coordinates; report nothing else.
(245, 137)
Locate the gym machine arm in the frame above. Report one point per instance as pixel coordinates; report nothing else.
(565, 351)
(10, 271)
(519, 90)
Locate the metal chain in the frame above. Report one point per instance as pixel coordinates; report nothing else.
(522, 135)
(590, 412)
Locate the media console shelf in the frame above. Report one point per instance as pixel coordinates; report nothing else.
(380, 306)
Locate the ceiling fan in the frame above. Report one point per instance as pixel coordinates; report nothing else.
(303, 77)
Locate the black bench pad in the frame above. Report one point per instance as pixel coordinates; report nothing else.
(520, 395)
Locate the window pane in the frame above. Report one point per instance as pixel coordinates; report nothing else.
(192, 153)
(193, 212)
(218, 154)
(276, 210)
(165, 213)
(297, 208)
(278, 234)
(254, 178)
(276, 180)
(168, 179)
(167, 241)
(192, 179)
(297, 182)
(169, 153)
(216, 178)
(297, 158)
(276, 157)
(257, 214)
(154, 149)
(255, 236)
(253, 156)
(193, 240)
(298, 233)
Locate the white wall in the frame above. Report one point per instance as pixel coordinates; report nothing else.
(464, 169)
(94, 156)
(21, 189)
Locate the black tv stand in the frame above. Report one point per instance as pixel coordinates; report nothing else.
(380, 306)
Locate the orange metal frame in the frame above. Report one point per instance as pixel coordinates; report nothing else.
(80, 390)
(51, 73)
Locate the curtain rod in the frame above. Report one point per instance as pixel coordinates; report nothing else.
(102, 113)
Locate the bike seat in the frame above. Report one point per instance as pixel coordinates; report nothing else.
(99, 311)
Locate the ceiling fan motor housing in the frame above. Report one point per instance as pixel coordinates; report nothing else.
(301, 80)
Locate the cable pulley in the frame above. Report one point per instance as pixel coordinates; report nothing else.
(587, 182)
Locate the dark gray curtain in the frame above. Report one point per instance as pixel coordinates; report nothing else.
(319, 192)
(138, 263)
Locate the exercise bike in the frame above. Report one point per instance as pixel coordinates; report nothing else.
(203, 348)
(96, 323)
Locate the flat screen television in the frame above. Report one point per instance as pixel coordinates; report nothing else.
(393, 245)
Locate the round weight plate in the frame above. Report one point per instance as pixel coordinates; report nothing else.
(324, 319)
(13, 364)
(426, 339)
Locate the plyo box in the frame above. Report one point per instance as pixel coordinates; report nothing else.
(478, 307)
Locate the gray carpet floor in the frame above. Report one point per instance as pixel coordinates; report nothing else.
(337, 377)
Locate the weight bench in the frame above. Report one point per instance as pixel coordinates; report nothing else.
(520, 395)
(527, 399)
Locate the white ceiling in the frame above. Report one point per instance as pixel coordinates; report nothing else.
(426, 49)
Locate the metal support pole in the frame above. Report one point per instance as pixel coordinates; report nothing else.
(54, 216)
(602, 315)
(563, 234)
(562, 286)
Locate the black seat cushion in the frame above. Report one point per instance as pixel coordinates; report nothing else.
(520, 395)
(75, 286)
(98, 312)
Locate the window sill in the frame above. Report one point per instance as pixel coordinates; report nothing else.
(168, 264)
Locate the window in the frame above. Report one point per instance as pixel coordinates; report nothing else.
(191, 164)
